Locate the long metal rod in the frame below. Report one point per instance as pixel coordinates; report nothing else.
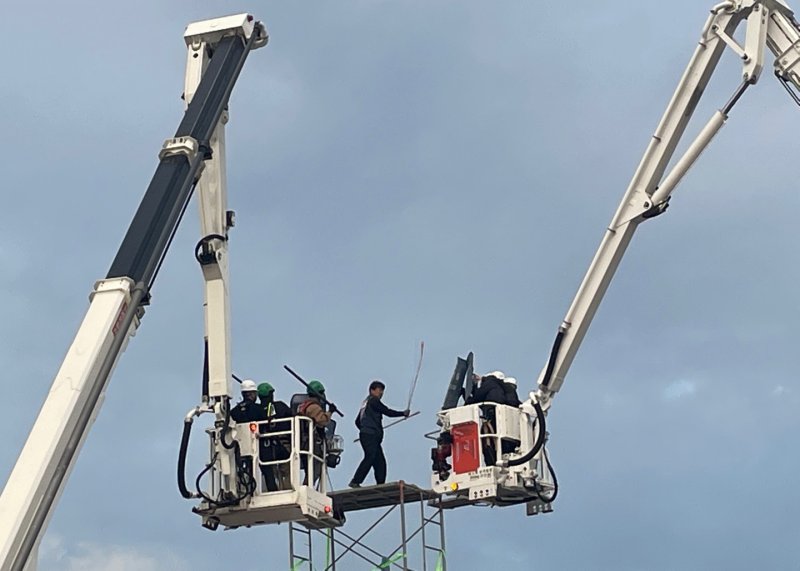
(332, 531)
(320, 396)
(424, 542)
(358, 543)
(414, 534)
(441, 538)
(396, 422)
(366, 532)
(404, 546)
(291, 546)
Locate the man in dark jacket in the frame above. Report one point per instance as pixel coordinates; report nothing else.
(248, 410)
(277, 447)
(370, 432)
(510, 388)
(489, 389)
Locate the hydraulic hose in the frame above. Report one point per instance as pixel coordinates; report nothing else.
(244, 480)
(540, 436)
(540, 418)
(552, 498)
(187, 432)
(202, 253)
(551, 363)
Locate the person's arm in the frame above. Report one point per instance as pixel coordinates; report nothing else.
(377, 405)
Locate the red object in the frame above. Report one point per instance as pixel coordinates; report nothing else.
(466, 448)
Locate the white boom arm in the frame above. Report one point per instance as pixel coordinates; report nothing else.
(117, 303)
(770, 24)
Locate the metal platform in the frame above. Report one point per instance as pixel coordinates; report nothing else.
(384, 495)
(304, 505)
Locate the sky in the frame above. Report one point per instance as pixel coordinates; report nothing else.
(405, 171)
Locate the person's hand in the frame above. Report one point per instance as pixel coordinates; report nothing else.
(332, 407)
(407, 412)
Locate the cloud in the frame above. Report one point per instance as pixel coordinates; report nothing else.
(680, 389)
(88, 556)
(780, 391)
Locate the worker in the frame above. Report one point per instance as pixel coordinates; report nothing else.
(314, 408)
(489, 389)
(370, 432)
(276, 448)
(248, 410)
(510, 389)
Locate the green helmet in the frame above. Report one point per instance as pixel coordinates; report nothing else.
(315, 388)
(265, 389)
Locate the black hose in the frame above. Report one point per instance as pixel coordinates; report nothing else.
(551, 363)
(540, 419)
(243, 479)
(537, 445)
(552, 498)
(201, 254)
(187, 431)
(226, 427)
(205, 380)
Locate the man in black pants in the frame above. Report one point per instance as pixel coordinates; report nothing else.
(370, 432)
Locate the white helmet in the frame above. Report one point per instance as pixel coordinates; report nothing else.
(249, 386)
(496, 374)
(510, 381)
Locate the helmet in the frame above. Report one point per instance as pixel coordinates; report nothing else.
(249, 386)
(510, 381)
(315, 388)
(265, 389)
(499, 375)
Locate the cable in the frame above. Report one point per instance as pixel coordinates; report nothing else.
(226, 427)
(540, 436)
(243, 479)
(552, 472)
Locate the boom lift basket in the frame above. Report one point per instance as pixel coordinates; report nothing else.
(300, 474)
(480, 439)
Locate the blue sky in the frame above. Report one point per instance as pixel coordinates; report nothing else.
(405, 171)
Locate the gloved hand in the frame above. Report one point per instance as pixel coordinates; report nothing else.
(407, 412)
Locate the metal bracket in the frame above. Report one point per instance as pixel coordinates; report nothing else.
(731, 43)
(755, 43)
(186, 146)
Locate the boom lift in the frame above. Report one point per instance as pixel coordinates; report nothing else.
(236, 497)
(217, 50)
(526, 475)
